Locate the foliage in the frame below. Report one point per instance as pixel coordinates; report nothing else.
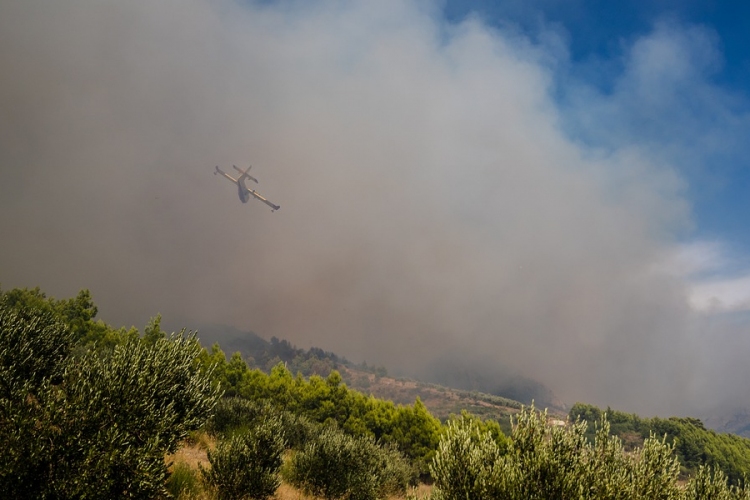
(233, 415)
(334, 465)
(417, 433)
(411, 428)
(712, 484)
(480, 427)
(694, 444)
(77, 314)
(34, 346)
(89, 411)
(464, 464)
(247, 464)
(90, 423)
(237, 414)
(544, 461)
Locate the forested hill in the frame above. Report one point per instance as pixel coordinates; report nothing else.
(453, 380)
(265, 354)
(694, 443)
(442, 401)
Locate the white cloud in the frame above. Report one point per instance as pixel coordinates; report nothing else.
(715, 282)
(696, 258)
(725, 295)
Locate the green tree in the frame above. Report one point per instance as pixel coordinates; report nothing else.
(153, 332)
(544, 462)
(464, 464)
(694, 445)
(95, 424)
(417, 433)
(34, 347)
(335, 465)
(247, 464)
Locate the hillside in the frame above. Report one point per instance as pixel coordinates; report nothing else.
(694, 443)
(442, 401)
(735, 421)
(324, 399)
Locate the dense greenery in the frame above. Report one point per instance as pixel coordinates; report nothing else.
(247, 464)
(411, 428)
(694, 445)
(541, 461)
(96, 421)
(325, 460)
(89, 411)
(335, 465)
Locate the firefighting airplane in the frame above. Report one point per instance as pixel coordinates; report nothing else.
(243, 191)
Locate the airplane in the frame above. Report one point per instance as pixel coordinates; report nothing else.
(243, 191)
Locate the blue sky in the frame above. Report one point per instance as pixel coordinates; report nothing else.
(709, 98)
(598, 30)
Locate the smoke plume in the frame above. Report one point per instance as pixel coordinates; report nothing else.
(432, 204)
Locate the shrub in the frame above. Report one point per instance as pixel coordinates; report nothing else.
(543, 462)
(335, 465)
(34, 347)
(232, 414)
(247, 464)
(236, 414)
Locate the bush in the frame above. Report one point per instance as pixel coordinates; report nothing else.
(543, 462)
(335, 465)
(34, 347)
(233, 415)
(247, 464)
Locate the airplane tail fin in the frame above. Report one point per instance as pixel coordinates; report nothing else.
(245, 173)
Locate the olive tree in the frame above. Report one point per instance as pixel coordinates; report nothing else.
(545, 461)
(98, 423)
(247, 464)
(334, 465)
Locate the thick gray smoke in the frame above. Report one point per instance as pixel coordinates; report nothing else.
(431, 204)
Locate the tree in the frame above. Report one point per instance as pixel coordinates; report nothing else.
(94, 424)
(247, 464)
(34, 347)
(463, 465)
(417, 433)
(544, 461)
(335, 465)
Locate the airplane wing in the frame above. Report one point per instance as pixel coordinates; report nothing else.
(220, 171)
(261, 198)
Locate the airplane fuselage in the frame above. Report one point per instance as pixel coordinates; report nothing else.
(243, 191)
